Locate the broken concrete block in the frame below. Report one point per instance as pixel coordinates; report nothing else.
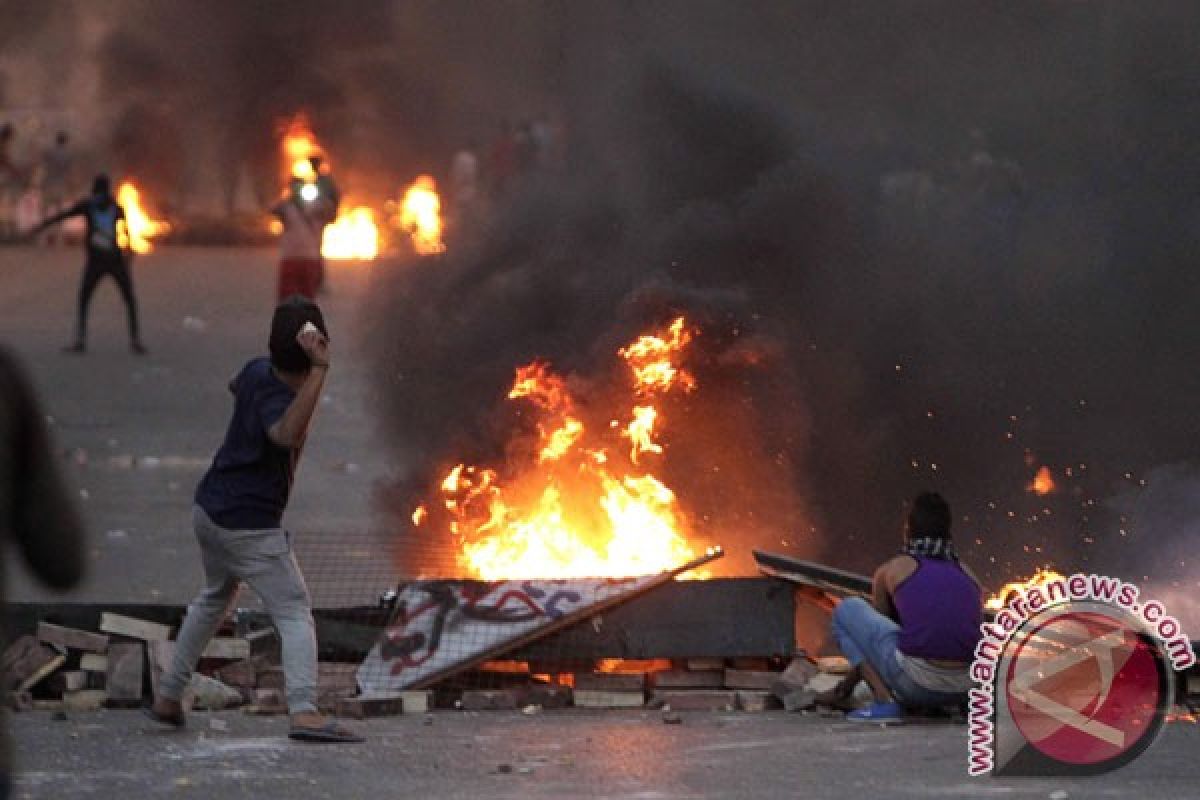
(799, 700)
(26, 662)
(271, 678)
(93, 662)
(18, 701)
(240, 674)
(695, 699)
(547, 695)
(596, 698)
(267, 701)
(226, 649)
(796, 676)
(689, 679)
(72, 638)
(416, 701)
(823, 682)
(757, 700)
(263, 643)
(835, 665)
(749, 679)
(85, 700)
(67, 681)
(210, 693)
(367, 706)
(491, 699)
(134, 628)
(610, 681)
(123, 680)
(336, 675)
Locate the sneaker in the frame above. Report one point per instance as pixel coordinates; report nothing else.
(878, 712)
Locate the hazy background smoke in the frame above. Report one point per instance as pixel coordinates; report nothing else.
(960, 236)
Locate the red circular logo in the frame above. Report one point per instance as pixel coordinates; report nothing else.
(1085, 688)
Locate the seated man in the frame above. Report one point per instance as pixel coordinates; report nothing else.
(914, 642)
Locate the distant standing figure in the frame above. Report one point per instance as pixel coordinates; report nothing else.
(104, 257)
(304, 213)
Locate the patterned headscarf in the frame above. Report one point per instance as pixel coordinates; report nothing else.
(930, 547)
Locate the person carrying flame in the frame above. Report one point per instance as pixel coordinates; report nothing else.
(310, 205)
(105, 256)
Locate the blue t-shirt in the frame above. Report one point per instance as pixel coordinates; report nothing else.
(248, 484)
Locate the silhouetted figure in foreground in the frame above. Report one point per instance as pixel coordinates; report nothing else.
(37, 513)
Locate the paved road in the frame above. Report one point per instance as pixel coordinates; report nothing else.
(137, 433)
(559, 754)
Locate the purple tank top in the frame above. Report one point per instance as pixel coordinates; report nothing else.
(940, 611)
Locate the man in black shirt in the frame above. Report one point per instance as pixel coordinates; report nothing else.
(104, 257)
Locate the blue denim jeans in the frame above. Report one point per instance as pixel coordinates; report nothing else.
(864, 634)
(264, 560)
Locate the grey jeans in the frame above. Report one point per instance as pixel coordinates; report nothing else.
(264, 560)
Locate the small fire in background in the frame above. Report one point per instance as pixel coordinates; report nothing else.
(1043, 482)
(352, 236)
(139, 226)
(580, 498)
(298, 145)
(420, 216)
(1042, 577)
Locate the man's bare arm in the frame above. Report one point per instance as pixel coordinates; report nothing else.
(292, 428)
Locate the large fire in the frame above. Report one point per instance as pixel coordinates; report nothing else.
(1042, 577)
(420, 216)
(139, 226)
(580, 499)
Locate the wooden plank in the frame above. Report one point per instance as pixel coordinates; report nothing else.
(490, 699)
(810, 573)
(753, 700)
(134, 628)
(93, 662)
(367, 706)
(689, 679)
(72, 638)
(749, 679)
(611, 681)
(693, 620)
(695, 699)
(227, 649)
(596, 698)
(85, 700)
(37, 675)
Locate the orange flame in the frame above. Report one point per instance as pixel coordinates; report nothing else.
(1042, 577)
(1043, 482)
(139, 226)
(298, 145)
(651, 359)
(572, 505)
(421, 216)
(352, 236)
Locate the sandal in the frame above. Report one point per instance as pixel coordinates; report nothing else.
(175, 720)
(331, 731)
